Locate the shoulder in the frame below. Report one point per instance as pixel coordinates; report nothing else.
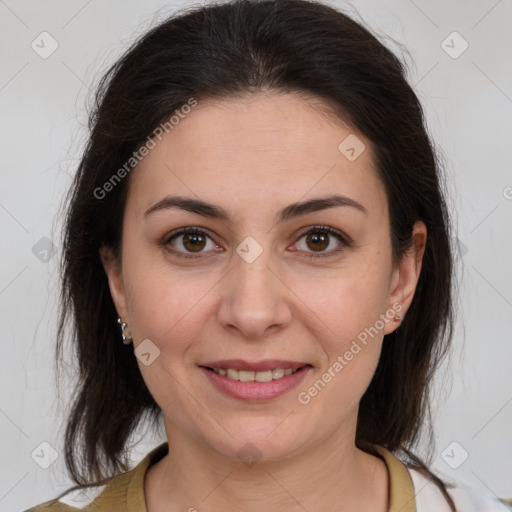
(119, 494)
(73, 500)
(52, 505)
(429, 497)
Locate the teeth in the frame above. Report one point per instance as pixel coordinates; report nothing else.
(277, 373)
(244, 376)
(263, 376)
(250, 376)
(232, 374)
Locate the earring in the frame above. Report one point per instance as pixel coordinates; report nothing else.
(126, 339)
(397, 319)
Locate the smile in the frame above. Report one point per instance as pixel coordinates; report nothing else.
(255, 385)
(251, 376)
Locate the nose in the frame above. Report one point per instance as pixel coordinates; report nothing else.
(255, 300)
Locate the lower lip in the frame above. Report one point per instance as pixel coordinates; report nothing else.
(256, 391)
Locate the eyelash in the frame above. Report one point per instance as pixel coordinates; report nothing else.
(313, 255)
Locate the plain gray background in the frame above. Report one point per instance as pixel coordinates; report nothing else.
(468, 101)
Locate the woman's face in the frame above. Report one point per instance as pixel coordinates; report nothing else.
(262, 285)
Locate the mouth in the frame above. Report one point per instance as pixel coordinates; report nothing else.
(255, 382)
(253, 376)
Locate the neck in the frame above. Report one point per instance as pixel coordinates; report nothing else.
(334, 476)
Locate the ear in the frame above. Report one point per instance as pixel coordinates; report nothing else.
(112, 267)
(405, 276)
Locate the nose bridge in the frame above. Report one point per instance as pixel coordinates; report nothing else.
(252, 265)
(253, 296)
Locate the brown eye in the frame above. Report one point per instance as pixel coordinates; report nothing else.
(194, 242)
(189, 243)
(318, 238)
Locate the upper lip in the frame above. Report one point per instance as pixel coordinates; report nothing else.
(255, 366)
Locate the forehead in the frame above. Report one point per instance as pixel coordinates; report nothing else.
(269, 146)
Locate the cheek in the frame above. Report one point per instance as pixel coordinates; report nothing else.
(355, 336)
(167, 309)
(158, 295)
(350, 300)
(349, 318)
(351, 346)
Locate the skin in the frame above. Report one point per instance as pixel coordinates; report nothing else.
(254, 155)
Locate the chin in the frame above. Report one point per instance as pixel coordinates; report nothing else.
(258, 440)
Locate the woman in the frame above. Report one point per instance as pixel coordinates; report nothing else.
(258, 217)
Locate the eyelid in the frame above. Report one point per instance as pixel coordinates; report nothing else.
(342, 238)
(332, 231)
(185, 231)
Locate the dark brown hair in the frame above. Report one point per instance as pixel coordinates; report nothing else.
(219, 51)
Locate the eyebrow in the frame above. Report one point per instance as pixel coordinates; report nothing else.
(289, 212)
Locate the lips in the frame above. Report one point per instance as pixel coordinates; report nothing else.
(255, 386)
(256, 366)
